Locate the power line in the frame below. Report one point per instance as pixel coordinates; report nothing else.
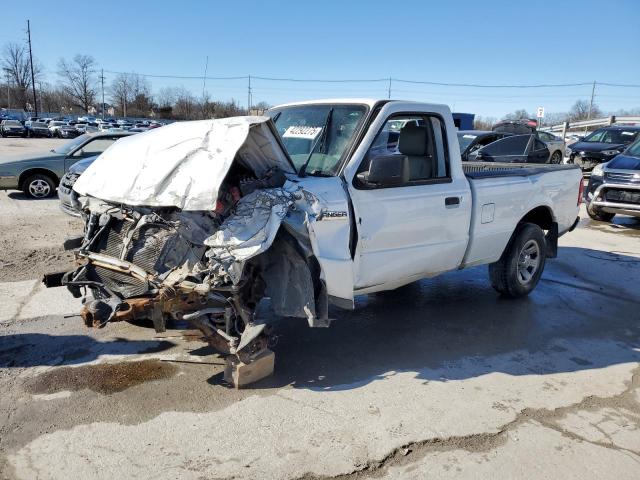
(378, 80)
(178, 77)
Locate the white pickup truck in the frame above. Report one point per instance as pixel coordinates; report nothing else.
(314, 204)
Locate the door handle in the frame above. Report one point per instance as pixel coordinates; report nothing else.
(452, 201)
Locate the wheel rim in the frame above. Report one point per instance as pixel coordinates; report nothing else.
(528, 262)
(555, 158)
(39, 188)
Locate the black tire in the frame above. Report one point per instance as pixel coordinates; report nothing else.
(38, 186)
(556, 157)
(599, 215)
(519, 269)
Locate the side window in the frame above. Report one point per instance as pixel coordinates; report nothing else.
(95, 147)
(540, 145)
(515, 145)
(420, 138)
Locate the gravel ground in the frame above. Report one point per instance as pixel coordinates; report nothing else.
(441, 379)
(32, 230)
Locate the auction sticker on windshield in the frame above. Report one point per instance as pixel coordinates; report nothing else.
(301, 131)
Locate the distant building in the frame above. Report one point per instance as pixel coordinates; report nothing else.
(464, 121)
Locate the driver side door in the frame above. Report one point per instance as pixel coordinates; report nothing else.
(417, 227)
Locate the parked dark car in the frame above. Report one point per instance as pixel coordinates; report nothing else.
(556, 145)
(68, 197)
(12, 128)
(614, 187)
(38, 176)
(472, 140)
(37, 129)
(513, 149)
(516, 127)
(67, 131)
(601, 145)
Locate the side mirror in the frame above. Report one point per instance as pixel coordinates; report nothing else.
(387, 171)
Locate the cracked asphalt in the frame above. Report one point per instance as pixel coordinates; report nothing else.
(440, 379)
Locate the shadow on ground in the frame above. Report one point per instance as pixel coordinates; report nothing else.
(37, 349)
(18, 195)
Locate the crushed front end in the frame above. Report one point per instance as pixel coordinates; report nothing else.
(212, 267)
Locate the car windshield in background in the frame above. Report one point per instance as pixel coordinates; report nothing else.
(465, 140)
(634, 150)
(12, 123)
(68, 147)
(317, 135)
(611, 136)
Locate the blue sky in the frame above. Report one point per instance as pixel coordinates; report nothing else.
(489, 42)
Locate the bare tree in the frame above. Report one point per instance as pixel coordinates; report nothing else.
(121, 91)
(582, 110)
(483, 123)
(141, 101)
(517, 115)
(15, 64)
(185, 104)
(79, 80)
(261, 107)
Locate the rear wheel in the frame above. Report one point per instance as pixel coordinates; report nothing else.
(556, 157)
(599, 215)
(39, 186)
(519, 269)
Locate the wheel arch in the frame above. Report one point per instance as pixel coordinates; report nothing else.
(35, 170)
(542, 216)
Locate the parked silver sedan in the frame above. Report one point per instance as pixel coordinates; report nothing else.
(555, 145)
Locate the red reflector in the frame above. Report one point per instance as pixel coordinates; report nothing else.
(580, 191)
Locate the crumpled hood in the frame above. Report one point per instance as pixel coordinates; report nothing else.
(182, 164)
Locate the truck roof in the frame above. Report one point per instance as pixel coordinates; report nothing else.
(365, 101)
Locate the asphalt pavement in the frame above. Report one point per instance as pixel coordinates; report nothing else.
(439, 379)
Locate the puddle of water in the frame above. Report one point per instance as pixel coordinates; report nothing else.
(103, 378)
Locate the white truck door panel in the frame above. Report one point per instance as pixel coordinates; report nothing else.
(330, 236)
(409, 232)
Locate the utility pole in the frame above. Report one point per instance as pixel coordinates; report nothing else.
(204, 79)
(102, 84)
(593, 91)
(33, 82)
(389, 90)
(8, 93)
(249, 97)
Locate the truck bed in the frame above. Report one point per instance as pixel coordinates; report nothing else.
(504, 192)
(478, 170)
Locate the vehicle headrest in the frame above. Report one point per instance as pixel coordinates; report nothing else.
(413, 140)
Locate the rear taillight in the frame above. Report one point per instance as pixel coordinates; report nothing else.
(581, 191)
